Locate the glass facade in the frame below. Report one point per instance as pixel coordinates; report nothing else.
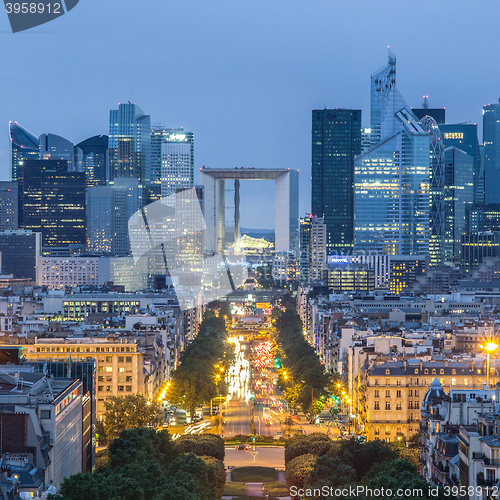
(129, 144)
(392, 196)
(20, 252)
(95, 160)
(55, 147)
(305, 248)
(459, 195)
(464, 136)
(8, 205)
(52, 202)
(483, 217)
(491, 141)
(23, 146)
(336, 140)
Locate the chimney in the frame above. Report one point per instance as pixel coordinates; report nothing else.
(472, 365)
(446, 363)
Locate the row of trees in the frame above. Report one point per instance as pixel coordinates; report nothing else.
(303, 375)
(315, 463)
(200, 376)
(143, 464)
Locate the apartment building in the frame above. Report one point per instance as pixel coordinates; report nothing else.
(120, 363)
(389, 395)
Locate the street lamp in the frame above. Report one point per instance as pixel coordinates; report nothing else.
(489, 347)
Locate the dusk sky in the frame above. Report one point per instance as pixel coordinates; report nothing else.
(244, 76)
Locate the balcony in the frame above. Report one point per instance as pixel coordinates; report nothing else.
(491, 461)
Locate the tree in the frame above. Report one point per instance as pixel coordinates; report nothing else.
(330, 472)
(414, 440)
(317, 444)
(194, 475)
(202, 444)
(129, 412)
(100, 432)
(362, 456)
(298, 469)
(142, 444)
(220, 472)
(292, 395)
(276, 313)
(225, 312)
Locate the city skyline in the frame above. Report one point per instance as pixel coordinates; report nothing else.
(257, 84)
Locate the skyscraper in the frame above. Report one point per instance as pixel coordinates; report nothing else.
(459, 195)
(8, 206)
(95, 159)
(336, 140)
(392, 180)
(108, 211)
(55, 147)
(313, 254)
(464, 136)
(52, 202)
(23, 146)
(129, 144)
(177, 163)
(491, 141)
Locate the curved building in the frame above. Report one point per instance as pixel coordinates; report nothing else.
(55, 147)
(95, 159)
(23, 146)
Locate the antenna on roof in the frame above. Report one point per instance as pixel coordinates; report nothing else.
(425, 104)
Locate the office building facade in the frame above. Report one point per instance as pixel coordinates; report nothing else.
(95, 160)
(392, 180)
(477, 247)
(459, 195)
(161, 135)
(23, 146)
(482, 217)
(8, 206)
(464, 136)
(491, 142)
(21, 251)
(336, 140)
(108, 211)
(52, 201)
(129, 144)
(177, 164)
(55, 147)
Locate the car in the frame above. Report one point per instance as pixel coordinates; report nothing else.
(243, 447)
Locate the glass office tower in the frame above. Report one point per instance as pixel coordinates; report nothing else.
(95, 159)
(129, 144)
(392, 196)
(55, 147)
(464, 136)
(52, 201)
(23, 146)
(336, 140)
(459, 196)
(491, 141)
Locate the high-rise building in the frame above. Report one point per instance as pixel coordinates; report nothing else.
(55, 147)
(23, 146)
(459, 194)
(95, 159)
(159, 135)
(52, 202)
(483, 217)
(8, 205)
(336, 140)
(177, 163)
(464, 136)
(395, 210)
(21, 252)
(108, 211)
(129, 144)
(491, 142)
(305, 226)
(476, 247)
(313, 254)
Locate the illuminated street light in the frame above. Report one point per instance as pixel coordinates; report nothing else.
(489, 347)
